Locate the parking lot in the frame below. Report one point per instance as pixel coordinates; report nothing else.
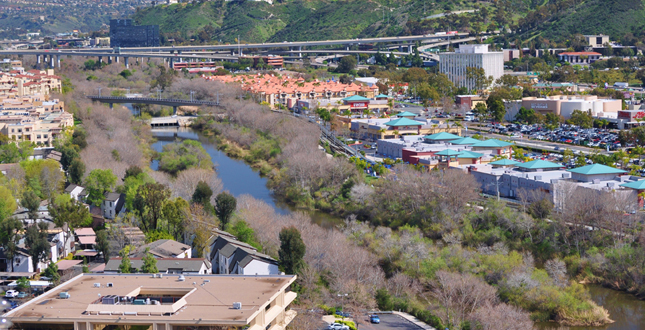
(388, 321)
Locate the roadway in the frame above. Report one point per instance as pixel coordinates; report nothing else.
(356, 41)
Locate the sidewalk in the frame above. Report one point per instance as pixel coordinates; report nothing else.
(414, 320)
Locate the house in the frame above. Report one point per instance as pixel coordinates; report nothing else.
(579, 57)
(164, 248)
(76, 192)
(230, 256)
(86, 238)
(112, 205)
(192, 266)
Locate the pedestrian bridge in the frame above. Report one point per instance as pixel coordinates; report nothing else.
(174, 103)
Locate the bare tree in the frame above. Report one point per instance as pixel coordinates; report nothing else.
(501, 317)
(459, 295)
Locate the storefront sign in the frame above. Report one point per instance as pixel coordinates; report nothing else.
(539, 106)
(359, 105)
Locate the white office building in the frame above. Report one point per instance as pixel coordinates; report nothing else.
(454, 64)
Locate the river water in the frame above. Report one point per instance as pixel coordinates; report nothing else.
(238, 178)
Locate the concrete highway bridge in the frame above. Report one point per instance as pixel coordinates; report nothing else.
(174, 103)
(51, 57)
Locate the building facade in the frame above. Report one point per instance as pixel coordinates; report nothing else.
(454, 64)
(123, 33)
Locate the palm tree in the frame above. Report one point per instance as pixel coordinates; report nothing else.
(396, 133)
(382, 132)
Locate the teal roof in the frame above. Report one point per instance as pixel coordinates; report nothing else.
(539, 164)
(505, 162)
(442, 136)
(405, 114)
(380, 96)
(470, 154)
(403, 122)
(448, 152)
(596, 169)
(492, 143)
(638, 185)
(465, 141)
(356, 98)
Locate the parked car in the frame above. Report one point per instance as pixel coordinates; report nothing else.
(11, 294)
(8, 305)
(375, 319)
(337, 326)
(22, 295)
(343, 314)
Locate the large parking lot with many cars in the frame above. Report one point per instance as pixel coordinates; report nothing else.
(592, 137)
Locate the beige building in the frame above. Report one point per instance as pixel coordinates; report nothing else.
(161, 302)
(597, 41)
(33, 118)
(32, 82)
(564, 105)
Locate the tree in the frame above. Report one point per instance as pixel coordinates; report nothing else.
(132, 171)
(478, 77)
(65, 210)
(76, 170)
(125, 267)
(52, 272)
(164, 79)
(37, 244)
(225, 205)
(346, 64)
(415, 75)
(149, 203)
(526, 115)
(507, 81)
(459, 295)
(149, 263)
(481, 110)
(9, 238)
(496, 107)
(582, 119)
(426, 92)
(202, 195)
(175, 213)
(292, 250)
(31, 202)
(69, 152)
(102, 244)
(97, 183)
(79, 138)
(552, 120)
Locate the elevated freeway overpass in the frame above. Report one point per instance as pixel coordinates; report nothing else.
(174, 103)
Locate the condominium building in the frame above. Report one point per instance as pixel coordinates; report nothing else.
(33, 118)
(19, 83)
(161, 302)
(454, 64)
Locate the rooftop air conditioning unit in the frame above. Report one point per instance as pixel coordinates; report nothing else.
(566, 175)
(110, 285)
(237, 305)
(97, 285)
(182, 278)
(63, 295)
(538, 177)
(611, 184)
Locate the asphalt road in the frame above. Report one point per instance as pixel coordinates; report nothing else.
(388, 321)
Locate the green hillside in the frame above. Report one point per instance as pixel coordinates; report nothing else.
(297, 20)
(612, 17)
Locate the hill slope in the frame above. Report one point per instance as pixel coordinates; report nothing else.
(327, 19)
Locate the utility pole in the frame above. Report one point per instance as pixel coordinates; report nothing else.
(239, 52)
(158, 93)
(191, 95)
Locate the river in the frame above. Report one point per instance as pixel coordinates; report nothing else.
(625, 309)
(238, 178)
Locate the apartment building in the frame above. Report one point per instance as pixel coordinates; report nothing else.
(454, 64)
(161, 302)
(287, 91)
(17, 83)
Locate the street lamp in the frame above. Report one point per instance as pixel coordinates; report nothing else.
(342, 306)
